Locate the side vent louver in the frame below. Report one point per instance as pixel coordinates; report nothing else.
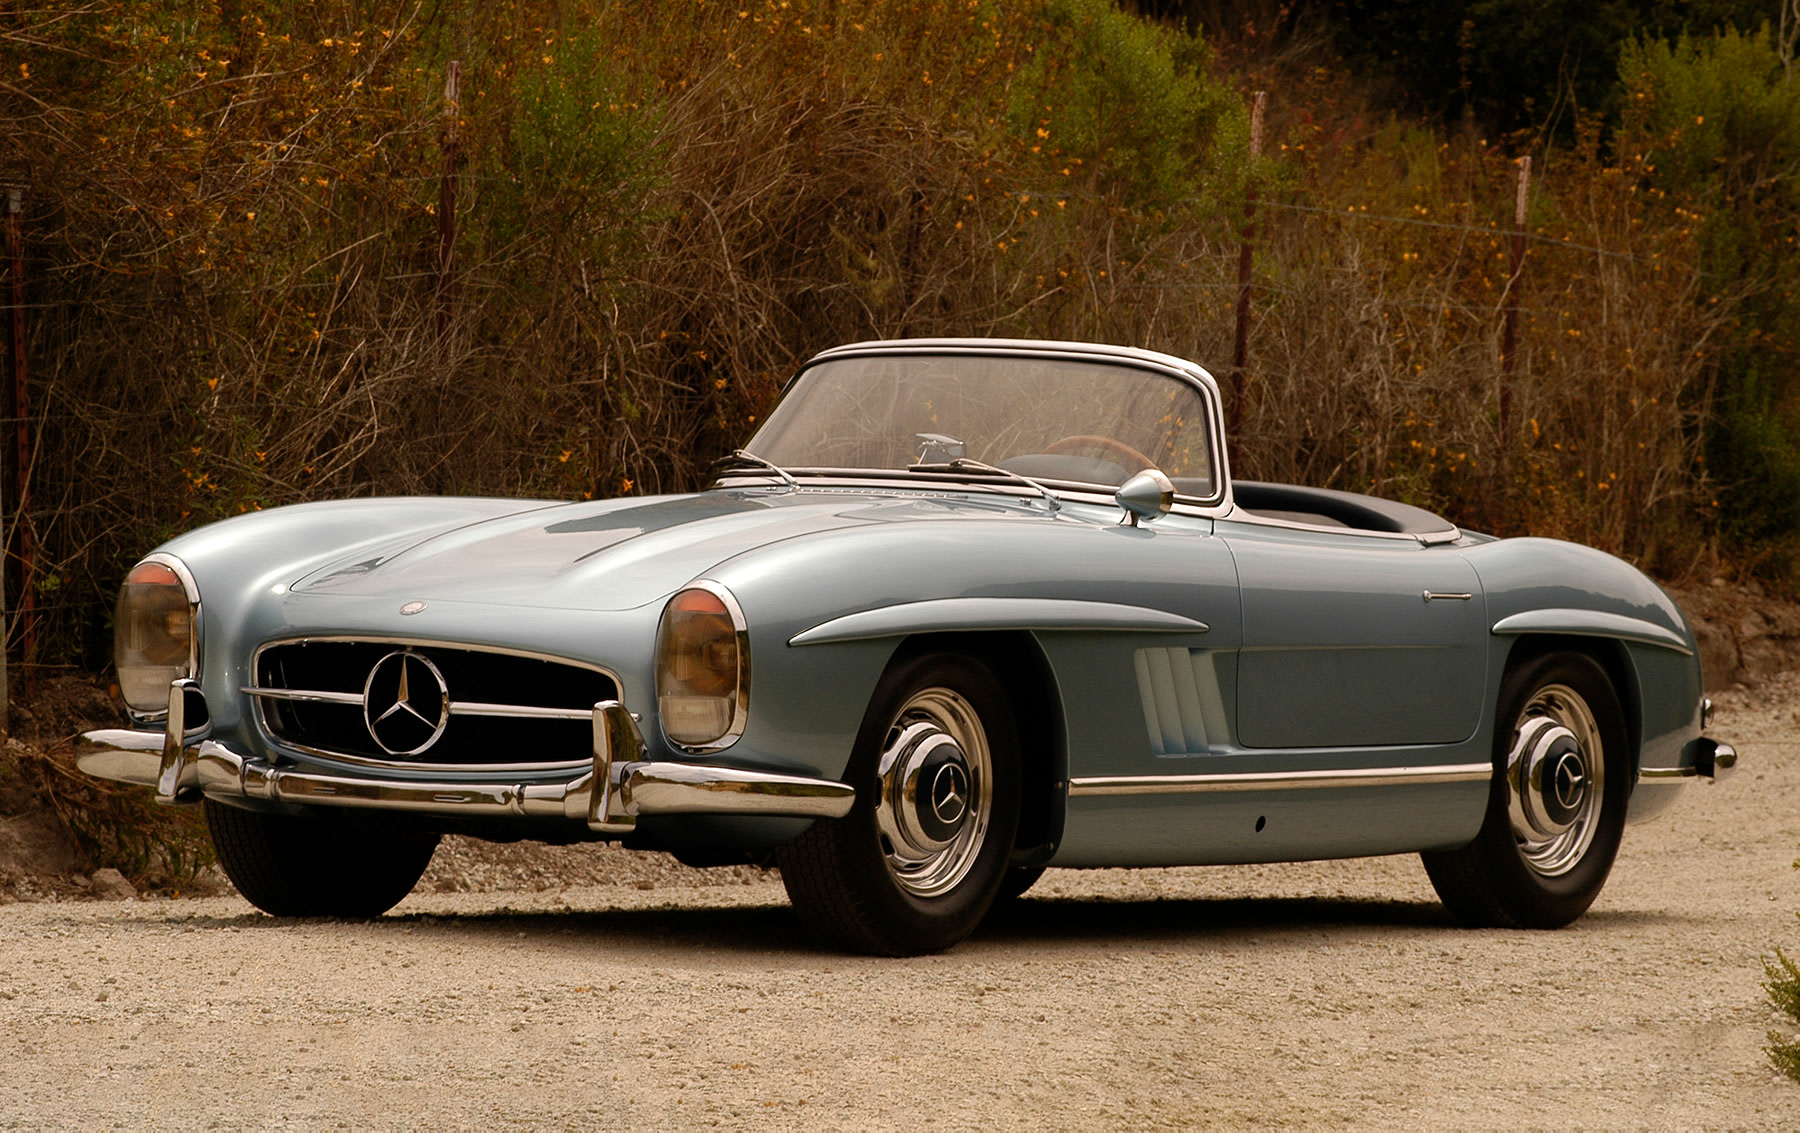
(1183, 710)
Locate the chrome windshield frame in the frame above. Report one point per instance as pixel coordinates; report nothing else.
(1214, 504)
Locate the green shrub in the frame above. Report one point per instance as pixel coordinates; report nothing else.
(1782, 982)
(1133, 100)
(1714, 123)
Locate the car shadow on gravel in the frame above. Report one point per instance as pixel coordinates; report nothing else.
(1066, 920)
(1029, 922)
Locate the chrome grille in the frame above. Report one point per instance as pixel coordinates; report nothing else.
(504, 709)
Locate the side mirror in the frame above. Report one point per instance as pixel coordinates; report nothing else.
(1148, 495)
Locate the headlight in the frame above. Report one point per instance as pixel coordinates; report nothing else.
(702, 668)
(155, 632)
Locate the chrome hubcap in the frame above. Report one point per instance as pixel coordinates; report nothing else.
(1556, 777)
(936, 792)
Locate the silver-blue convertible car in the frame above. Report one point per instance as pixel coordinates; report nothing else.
(961, 610)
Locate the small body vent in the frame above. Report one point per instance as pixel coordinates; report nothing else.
(1183, 711)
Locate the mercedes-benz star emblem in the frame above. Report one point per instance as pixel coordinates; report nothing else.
(949, 794)
(405, 703)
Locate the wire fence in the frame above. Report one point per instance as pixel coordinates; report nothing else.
(1312, 392)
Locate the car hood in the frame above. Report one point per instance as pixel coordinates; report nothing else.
(610, 555)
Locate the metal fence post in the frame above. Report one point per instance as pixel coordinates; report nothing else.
(1509, 334)
(1240, 351)
(26, 616)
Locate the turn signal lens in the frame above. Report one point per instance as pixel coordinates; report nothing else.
(153, 635)
(700, 670)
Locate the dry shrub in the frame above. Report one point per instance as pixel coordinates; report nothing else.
(65, 820)
(1376, 355)
(661, 209)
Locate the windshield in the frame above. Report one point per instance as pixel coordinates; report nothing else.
(1058, 419)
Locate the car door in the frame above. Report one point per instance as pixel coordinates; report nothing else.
(1355, 639)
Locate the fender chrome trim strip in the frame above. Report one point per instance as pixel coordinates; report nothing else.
(1281, 780)
(994, 613)
(1593, 623)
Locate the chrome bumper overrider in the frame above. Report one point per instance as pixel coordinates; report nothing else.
(609, 797)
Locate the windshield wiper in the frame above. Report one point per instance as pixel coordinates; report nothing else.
(743, 458)
(967, 464)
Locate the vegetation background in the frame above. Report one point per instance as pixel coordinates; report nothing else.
(268, 259)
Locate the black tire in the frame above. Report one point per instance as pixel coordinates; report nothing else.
(872, 881)
(292, 867)
(1544, 852)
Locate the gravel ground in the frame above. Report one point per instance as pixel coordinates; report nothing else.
(1323, 995)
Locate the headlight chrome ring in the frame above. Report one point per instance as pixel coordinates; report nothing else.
(156, 633)
(703, 668)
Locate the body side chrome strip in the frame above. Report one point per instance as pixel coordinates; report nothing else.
(1593, 623)
(1281, 780)
(995, 613)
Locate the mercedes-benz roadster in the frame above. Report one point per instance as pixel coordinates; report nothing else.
(960, 610)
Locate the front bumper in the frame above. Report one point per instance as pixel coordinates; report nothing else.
(185, 765)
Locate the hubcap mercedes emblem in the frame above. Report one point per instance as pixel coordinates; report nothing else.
(405, 703)
(950, 793)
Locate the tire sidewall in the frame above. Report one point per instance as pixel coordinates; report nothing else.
(1531, 898)
(932, 923)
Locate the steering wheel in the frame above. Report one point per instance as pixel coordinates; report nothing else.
(1135, 461)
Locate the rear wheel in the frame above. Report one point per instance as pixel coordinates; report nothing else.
(1556, 809)
(295, 867)
(920, 857)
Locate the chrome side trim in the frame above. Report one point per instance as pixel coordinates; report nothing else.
(1593, 623)
(1281, 780)
(994, 613)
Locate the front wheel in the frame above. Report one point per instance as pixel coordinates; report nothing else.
(295, 867)
(1556, 809)
(915, 864)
